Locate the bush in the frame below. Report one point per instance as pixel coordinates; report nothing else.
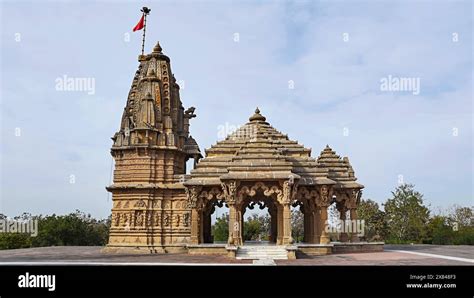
(73, 229)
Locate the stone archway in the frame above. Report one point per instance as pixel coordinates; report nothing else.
(261, 202)
(208, 210)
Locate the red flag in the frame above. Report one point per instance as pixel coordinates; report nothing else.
(140, 24)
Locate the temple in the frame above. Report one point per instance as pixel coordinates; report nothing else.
(158, 208)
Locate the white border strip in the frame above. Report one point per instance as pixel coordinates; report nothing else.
(434, 256)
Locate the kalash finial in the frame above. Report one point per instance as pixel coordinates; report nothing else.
(257, 116)
(157, 48)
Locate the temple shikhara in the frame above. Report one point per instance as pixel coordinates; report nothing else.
(157, 207)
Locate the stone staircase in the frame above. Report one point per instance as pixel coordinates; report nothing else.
(260, 252)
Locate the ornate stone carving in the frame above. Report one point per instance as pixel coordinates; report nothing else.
(213, 193)
(267, 191)
(186, 219)
(229, 191)
(140, 204)
(324, 198)
(290, 190)
(178, 220)
(192, 194)
(139, 215)
(352, 198)
(166, 220)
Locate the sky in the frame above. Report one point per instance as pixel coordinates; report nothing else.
(314, 68)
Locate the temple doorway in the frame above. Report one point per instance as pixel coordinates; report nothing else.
(259, 217)
(215, 222)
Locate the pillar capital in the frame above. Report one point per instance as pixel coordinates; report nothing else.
(324, 197)
(289, 191)
(229, 189)
(352, 199)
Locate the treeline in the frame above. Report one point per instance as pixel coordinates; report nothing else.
(403, 219)
(58, 230)
(406, 219)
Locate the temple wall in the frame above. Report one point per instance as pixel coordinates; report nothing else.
(149, 219)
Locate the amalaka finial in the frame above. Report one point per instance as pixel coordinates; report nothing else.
(257, 116)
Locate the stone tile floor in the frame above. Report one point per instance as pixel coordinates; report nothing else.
(394, 255)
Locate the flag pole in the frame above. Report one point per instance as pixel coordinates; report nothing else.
(145, 11)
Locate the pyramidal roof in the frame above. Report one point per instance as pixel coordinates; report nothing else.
(257, 151)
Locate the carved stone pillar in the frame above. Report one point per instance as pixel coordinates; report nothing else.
(305, 225)
(290, 189)
(342, 212)
(323, 201)
(202, 225)
(230, 191)
(279, 224)
(240, 218)
(287, 239)
(273, 223)
(316, 225)
(233, 225)
(324, 238)
(309, 227)
(354, 236)
(192, 194)
(194, 226)
(352, 202)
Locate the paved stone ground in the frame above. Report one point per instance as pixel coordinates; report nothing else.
(94, 254)
(393, 255)
(461, 251)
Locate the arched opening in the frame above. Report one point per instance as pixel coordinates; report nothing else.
(215, 224)
(259, 217)
(299, 222)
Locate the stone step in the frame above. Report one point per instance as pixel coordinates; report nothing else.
(262, 253)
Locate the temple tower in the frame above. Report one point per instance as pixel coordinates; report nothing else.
(150, 151)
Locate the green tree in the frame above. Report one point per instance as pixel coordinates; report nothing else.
(220, 229)
(257, 227)
(439, 231)
(297, 225)
(375, 224)
(73, 229)
(461, 219)
(252, 227)
(461, 216)
(406, 215)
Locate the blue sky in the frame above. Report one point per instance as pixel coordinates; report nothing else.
(335, 52)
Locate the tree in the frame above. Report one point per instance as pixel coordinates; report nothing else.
(297, 225)
(461, 216)
(406, 215)
(257, 227)
(73, 229)
(439, 231)
(375, 223)
(220, 229)
(461, 219)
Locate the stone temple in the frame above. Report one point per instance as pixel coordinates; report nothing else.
(158, 208)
